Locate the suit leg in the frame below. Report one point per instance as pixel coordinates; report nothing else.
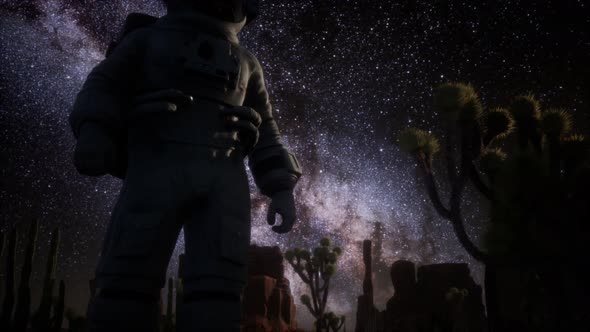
(132, 268)
(217, 240)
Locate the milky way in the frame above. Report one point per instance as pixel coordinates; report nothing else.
(344, 80)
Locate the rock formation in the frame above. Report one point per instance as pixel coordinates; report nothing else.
(268, 305)
(439, 297)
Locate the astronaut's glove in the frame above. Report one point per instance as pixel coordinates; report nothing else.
(169, 100)
(245, 121)
(95, 152)
(283, 203)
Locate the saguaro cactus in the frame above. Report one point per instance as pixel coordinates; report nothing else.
(42, 317)
(8, 305)
(178, 284)
(2, 240)
(49, 316)
(58, 311)
(316, 269)
(23, 309)
(168, 319)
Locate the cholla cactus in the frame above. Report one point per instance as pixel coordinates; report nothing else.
(316, 270)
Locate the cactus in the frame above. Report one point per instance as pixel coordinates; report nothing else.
(491, 161)
(537, 188)
(526, 111)
(178, 284)
(23, 309)
(45, 318)
(420, 143)
(2, 240)
(453, 97)
(332, 322)
(168, 319)
(42, 317)
(58, 311)
(8, 305)
(92, 288)
(316, 270)
(556, 123)
(368, 262)
(76, 323)
(498, 124)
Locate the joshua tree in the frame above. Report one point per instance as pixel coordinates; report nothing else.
(316, 269)
(23, 308)
(536, 188)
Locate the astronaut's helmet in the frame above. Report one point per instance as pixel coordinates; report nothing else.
(225, 10)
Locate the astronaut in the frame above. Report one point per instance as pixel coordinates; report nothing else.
(173, 110)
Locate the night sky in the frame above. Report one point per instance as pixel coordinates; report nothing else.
(345, 77)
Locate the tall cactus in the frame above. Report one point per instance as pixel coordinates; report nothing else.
(2, 240)
(316, 270)
(42, 317)
(368, 261)
(23, 309)
(168, 319)
(8, 305)
(179, 287)
(58, 312)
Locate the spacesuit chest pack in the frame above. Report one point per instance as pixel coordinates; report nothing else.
(202, 64)
(197, 64)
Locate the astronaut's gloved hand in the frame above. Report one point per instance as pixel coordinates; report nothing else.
(95, 152)
(245, 121)
(170, 100)
(282, 203)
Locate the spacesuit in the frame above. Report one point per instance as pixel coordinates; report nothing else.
(173, 110)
